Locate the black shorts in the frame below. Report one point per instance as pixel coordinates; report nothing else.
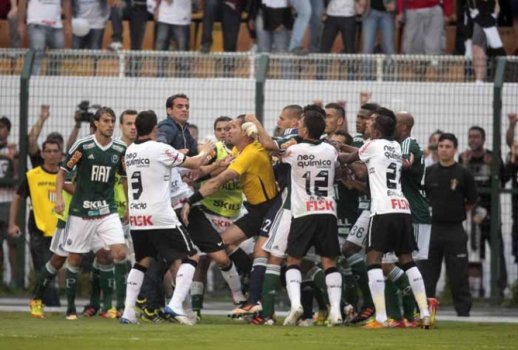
(272, 213)
(314, 230)
(171, 244)
(391, 233)
(202, 233)
(251, 223)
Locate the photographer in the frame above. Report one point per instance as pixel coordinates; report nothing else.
(83, 114)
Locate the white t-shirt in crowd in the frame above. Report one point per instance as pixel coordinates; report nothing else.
(312, 177)
(96, 14)
(148, 167)
(178, 12)
(341, 8)
(384, 162)
(44, 12)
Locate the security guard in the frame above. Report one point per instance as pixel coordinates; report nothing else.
(452, 191)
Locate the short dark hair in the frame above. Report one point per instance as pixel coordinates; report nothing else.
(104, 110)
(55, 136)
(194, 126)
(50, 142)
(127, 111)
(4, 120)
(385, 122)
(295, 110)
(241, 118)
(370, 107)
(223, 118)
(346, 135)
(170, 100)
(479, 129)
(450, 137)
(145, 122)
(314, 120)
(338, 107)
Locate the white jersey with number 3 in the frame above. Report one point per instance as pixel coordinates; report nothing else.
(384, 162)
(148, 166)
(312, 177)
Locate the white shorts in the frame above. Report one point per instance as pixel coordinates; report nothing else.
(278, 239)
(80, 232)
(422, 234)
(57, 245)
(359, 232)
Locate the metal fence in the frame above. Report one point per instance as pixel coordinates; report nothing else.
(440, 91)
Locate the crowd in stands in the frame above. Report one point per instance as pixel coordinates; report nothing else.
(366, 26)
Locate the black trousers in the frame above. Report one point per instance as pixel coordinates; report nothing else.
(344, 25)
(230, 21)
(40, 253)
(449, 242)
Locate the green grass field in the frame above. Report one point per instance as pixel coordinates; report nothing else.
(19, 331)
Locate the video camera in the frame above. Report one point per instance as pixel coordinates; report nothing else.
(86, 112)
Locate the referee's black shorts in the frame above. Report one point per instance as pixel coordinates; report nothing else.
(391, 233)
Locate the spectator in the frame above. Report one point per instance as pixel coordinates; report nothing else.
(478, 160)
(316, 25)
(378, 16)
(424, 25)
(173, 22)
(137, 14)
(96, 12)
(514, 13)
(45, 27)
(482, 35)
(9, 11)
(8, 169)
(229, 12)
(303, 9)
(34, 134)
(340, 18)
(40, 185)
(512, 167)
(174, 130)
(431, 156)
(272, 21)
(451, 191)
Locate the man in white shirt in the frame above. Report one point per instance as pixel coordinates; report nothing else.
(390, 227)
(155, 228)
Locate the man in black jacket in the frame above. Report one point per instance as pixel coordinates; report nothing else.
(452, 192)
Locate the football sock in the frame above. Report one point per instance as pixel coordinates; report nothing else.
(95, 294)
(417, 284)
(241, 260)
(121, 274)
(377, 290)
(46, 275)
(293, 280)
(256, 280)
(306, 299)
(316, 275)
(71, 285)
(334, 289)
(392, 300)
(400, 279)
(271, 284)
(359, 269)
(349, 288)
(182, 285)
(133, 284)
(106, 282)
(234, 282)
(197, 289)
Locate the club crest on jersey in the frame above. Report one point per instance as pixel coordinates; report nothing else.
(115, 159)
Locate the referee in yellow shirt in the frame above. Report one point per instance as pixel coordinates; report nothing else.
(252, 165)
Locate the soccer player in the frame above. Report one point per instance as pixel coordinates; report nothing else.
(313, 210)
(390, 228)
(155, 228)
(92, 210)
(253, 166)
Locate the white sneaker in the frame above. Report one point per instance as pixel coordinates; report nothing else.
(334, 319)
(308, 322)
(293, 316)
(349, 313)
(115, 46)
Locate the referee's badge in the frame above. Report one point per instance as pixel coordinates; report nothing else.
(453, 184)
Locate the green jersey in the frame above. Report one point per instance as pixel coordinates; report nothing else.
(282, 171)
(95, 182)
(346, 208)
(227, 201)
(411, 182)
